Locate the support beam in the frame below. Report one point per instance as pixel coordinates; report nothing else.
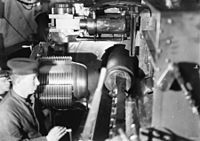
(1, 9)
(2, 53)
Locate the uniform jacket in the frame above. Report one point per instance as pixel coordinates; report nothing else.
(17, 120)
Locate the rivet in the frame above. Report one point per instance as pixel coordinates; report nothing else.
(189, 86)
(167, 60)
(159, 50)
(161, 31)
(168, 41)
(169, 21)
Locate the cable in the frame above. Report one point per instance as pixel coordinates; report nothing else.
(15, 29)
(27, 3)
(29, 25)
(24, 6)
(24, 19)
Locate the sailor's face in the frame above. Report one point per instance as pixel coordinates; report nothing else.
(4, 85)
(29, 83)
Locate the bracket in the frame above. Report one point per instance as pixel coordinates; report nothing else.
(167, 78)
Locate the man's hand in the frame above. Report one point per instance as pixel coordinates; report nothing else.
(56, 133)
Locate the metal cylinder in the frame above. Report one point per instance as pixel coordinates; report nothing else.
(62, 81)
(62, 8)
(119, 64)
(104, 25)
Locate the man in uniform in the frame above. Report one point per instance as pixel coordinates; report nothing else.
(17, 117)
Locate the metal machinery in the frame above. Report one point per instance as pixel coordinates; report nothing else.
(121, 70)
(62, 82)
(72, 21)
(171, 34)
(103, 20)
(162, 41)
